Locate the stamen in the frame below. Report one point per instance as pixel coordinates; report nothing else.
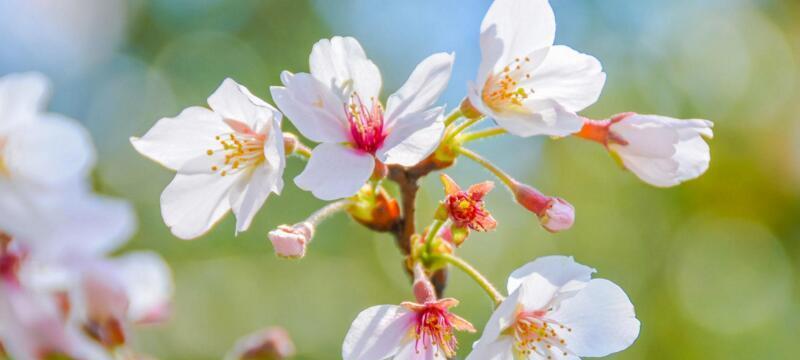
(240, 150)
(534, 333)
(366, 124)
(503, 90)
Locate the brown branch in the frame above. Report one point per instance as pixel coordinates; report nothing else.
(407, 180)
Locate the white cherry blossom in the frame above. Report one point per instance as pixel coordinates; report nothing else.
(228, 157)
(555, 310)
(338, 105)
(527, 85)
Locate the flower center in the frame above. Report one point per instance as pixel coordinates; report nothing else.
(435, 328)
(366, 124)
(534, 333)
(464, 209)
(241, 149)
(503, 90)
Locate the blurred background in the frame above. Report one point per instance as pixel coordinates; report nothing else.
(712, 266)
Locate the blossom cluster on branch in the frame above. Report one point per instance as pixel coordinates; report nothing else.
(231, 157)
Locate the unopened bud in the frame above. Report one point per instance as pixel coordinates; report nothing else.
(469, 111)
(268, 344)
(377, 210)
(291, 241)
(555, 214)
(290, 142)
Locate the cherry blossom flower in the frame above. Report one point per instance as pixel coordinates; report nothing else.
(228, 157)
(272, 343)
(38, 150)
(409, 331)
(529, 86)
(557, 311)
(338, 105)
(660, 150)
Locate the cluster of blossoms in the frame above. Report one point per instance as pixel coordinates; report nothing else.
(231, 156)
(62, 296)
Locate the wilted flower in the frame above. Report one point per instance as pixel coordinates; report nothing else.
(555, 310)
(229, 157)
(529, 86)
(662, 151)
(338, 105)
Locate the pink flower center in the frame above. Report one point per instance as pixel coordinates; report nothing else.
(366, 124)
(434, 327)
(504, 89)
(465, 210)
(242, 148)
(534, 333)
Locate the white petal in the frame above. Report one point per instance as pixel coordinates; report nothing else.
(147, 280)
(377, 333)
(335, 172)
(602, 320)
(558, 270)
(66, 223)
(663, 151)
(411, 351)
(313, 109)
(341, 65)
(501, 349)
(235, 102)
(52, 151)
(422, 88)
(192, 204)
(514, 28)
(413, 138)
(572, 79)
(537, 293)
(22, 98)
(540, 117)
(502, 318)
(174, 141)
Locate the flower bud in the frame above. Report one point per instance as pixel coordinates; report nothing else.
(555, 214)
(291, 241)
(377, 210)
(290, 142)
(268, 344)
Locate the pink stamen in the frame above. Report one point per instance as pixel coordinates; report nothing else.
(366, 124)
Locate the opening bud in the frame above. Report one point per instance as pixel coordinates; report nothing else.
(291, 241)
(555, 214)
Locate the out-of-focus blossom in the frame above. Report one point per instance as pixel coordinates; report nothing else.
(291, 241)
(268, 344)
(228, 157)
(337, 105)
(555, 310)
(555, 214)
(529, 86)
(660, 150)
(37, 149)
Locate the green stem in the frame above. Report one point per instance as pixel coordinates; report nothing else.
(433, 230)
(302, 151)
(452, 116)
(461, 127)
(482, 134)
(500, 174)
(474, 274)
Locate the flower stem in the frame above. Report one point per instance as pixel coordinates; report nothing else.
(452, 116)
(482, 134)
(461, 127)
(433, 230)
(302, 151)
(327, 210)
(505, 178)
(475, 275)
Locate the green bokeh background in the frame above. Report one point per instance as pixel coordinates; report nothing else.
(711, 265)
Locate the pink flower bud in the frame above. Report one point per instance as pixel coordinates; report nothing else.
(559, 216)
(291, 241)
(555, 214)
